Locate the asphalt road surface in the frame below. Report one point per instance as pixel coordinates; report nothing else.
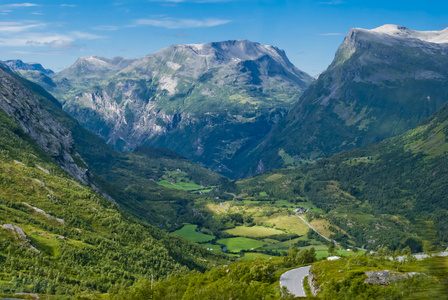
(293, 280)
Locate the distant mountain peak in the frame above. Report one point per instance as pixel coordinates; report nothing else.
(437, 36)
(392, 33)
(17, 64)
(230, 50)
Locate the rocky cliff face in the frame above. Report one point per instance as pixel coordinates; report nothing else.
(205, 101)
(55, 139)
(381, 83)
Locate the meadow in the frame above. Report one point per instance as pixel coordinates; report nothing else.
(189, 232)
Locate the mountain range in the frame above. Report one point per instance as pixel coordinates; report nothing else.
(207, 102)
(237, 107)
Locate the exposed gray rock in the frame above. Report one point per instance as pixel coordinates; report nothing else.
(44, 213)
(21, 236)
(386, 277)
(50, 135)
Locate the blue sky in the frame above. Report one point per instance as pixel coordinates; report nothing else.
(55, 33)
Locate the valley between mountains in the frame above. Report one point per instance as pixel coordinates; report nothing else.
(189, 173)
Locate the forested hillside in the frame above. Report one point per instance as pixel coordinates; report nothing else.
(385, 194)
(60, 237)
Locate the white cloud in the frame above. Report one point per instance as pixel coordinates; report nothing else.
(29, 34)
(10, 23)
(15, 27)
(68, 5)
(60, 44)
(51, 52)
(38, 39)
(7, 8)
(13, 5)
(173, 23)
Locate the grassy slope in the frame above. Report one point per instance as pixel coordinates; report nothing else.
(97, 246)
(344, 278)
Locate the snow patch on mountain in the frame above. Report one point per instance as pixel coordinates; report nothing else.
(438, 37)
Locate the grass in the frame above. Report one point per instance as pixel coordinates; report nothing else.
(322, 226)
(274, 177)
(324, 253)
(47, 245)
(307, 287)
(217, 208)
(212, 247)
(252, 256)
(280, 245)
(240, 243)
(287, 159)
(189, 232)
(291, 223)
(254, 231)
(186, 186)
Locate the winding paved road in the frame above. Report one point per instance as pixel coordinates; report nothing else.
(293, 280)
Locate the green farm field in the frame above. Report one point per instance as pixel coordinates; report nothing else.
(189, 232)
(186, 186)
(254, 231)
(240, 243)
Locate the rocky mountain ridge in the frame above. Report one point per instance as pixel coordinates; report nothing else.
(204, 101)
(381, 83)
(17, 64)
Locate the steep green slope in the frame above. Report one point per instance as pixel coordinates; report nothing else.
(381, 83)
(383, 194)
(379, 277)
(132, 179)
(60, 237)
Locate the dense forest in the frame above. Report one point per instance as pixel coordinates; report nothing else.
(59, 237)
